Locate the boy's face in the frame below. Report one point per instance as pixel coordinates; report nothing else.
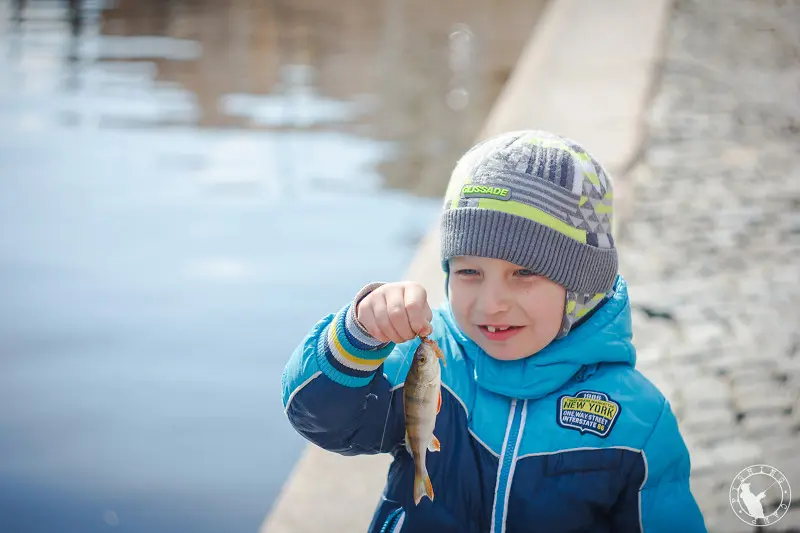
(488, 295)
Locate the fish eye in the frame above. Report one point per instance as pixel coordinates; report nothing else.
(421, 358)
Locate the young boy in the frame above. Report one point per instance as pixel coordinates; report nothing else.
(544, 425)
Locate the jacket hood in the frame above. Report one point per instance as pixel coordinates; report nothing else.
(604, 338)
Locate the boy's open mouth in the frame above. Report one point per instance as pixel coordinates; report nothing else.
(499, 332)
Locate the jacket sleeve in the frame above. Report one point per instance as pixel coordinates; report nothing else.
(663, 501)
(334, 391)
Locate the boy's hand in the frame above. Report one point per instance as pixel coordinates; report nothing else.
(396, 312)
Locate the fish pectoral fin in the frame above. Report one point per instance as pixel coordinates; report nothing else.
(407, 443)
(438, 351)
(435, 445)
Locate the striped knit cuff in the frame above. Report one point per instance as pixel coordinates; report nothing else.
(348, 355)
(354, 328)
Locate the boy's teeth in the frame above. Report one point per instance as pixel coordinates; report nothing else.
(493, 329)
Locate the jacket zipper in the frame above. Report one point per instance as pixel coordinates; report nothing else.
(506, 467)
(394, 519)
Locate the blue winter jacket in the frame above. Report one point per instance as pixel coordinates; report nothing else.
(572, 439)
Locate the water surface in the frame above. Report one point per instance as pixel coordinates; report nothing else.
(185, 188)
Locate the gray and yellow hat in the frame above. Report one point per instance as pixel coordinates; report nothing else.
(537, 200)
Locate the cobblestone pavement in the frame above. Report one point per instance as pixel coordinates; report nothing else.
(711, 244)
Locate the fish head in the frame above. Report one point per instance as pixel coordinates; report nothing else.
(426, 358)
(434, 347)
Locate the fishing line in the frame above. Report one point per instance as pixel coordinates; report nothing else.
(765, 490)
(391, 397)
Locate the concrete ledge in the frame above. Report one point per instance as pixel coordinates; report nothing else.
(586, 73)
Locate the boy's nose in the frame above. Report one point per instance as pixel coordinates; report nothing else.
(493, 300)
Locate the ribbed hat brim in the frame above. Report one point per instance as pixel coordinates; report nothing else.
(488, 233)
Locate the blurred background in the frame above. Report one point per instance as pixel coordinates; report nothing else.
(186, 186)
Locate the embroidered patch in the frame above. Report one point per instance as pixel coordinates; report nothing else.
(485, 191)
(588, 412)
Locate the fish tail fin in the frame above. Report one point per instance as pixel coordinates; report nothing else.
(422, 485)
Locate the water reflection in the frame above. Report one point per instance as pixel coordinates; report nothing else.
(185, 187)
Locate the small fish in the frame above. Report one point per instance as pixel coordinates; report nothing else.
(422, 400)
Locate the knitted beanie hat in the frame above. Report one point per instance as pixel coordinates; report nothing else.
(537, 200)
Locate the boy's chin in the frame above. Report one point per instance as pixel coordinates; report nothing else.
(510, 351)
(504, 353)
(506, 356)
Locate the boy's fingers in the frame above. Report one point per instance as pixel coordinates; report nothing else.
(418, 311)
(367, 319)
(384, 322)
(425, 330)
(419, 324)
(398, 314)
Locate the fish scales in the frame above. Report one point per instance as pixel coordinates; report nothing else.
(422, 400)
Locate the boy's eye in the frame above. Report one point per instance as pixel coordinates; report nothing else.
(466, 272)
(526, 272)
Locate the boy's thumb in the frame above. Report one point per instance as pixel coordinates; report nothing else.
(425, 330)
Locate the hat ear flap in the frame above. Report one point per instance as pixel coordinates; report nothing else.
(566, 318)
(447, 281)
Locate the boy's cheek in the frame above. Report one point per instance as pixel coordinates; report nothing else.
(461, 312)
(454, 295)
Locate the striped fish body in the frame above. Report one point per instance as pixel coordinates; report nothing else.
(422, 399)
